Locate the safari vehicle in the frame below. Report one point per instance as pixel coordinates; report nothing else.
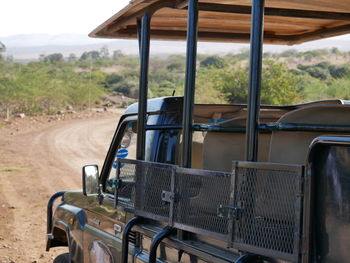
(217, 183)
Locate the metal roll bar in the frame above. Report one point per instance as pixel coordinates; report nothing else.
(49, 210)
(190, 80)
(143, 90)
(126, 232)
(155, 243)
(253, 258)
(256, 41)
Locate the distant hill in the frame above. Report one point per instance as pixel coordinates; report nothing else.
(29, 47)
(35, 40)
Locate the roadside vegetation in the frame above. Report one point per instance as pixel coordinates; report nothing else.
(54, 83)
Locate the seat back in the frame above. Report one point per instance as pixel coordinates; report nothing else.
(221, 148)
(292, 147)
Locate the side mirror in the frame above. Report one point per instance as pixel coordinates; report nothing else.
(90, 180)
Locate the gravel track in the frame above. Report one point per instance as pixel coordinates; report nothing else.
(43, 162)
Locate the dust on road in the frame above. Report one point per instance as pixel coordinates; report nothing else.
(36, 164)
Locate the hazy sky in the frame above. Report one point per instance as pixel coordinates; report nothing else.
(55, 17)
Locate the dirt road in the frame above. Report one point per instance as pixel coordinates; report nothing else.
(33, 166)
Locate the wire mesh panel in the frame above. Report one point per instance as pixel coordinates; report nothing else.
(199, 194)
(269, 199)
(187, 199)
(125, 190)
(151, 180)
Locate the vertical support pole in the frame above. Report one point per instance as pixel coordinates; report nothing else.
(190, 79)
(256, 43)
(143, 90)
(139, 26)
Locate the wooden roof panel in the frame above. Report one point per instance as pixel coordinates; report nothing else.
(286, 22)
(313, 5)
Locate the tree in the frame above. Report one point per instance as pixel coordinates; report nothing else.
(104, 52)
(72, 57)
(113, 79)
(117, 54)
(82, 91)
(279, 85)
(335, 51)
(213, 61)
(289, 53)
(90, 55)
(338, 72)
(319, 71)
(8, 89)
(41, 57)
(2, 49)
(53, 58)
(210, 84)
(175, 66)
(176, 63)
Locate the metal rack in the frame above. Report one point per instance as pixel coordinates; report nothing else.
(256, 208)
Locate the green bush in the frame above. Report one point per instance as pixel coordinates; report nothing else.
(213, 61)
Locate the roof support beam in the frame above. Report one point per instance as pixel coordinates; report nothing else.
(209, 36)
(190, 79)
(239, 9)
(143, 87)
(322, 33)
(125, 21)
(255, 68)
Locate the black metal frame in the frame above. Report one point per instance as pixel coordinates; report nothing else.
(298, 207)
(174, 171)
(251, 258)
(190, 79)
(150, 164)
(125, 244)
(252, 129)
(50, 211)
(155, 243)
(309, 199)
(252, 125)
(173, 218)
(256, 42)
(143, 90)
(270, 127)
(49, 223)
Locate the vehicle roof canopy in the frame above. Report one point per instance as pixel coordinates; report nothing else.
(286, 21)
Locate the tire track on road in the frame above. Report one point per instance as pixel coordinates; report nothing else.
(54, 157)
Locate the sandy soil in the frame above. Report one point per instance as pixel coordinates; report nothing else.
(38, 157)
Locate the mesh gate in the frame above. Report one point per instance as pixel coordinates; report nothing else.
(148, 180)
(184, 198)
(269, 199)
(200, 193)
(256, 208)
(152, 179)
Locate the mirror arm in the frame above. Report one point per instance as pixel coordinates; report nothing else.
(100, 195)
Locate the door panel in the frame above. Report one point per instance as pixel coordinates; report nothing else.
(102, 234)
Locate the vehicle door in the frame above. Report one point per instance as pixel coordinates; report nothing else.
(102, 232)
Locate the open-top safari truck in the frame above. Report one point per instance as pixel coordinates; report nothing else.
(217, 183)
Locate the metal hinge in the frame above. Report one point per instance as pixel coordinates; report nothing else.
(117, 228)
(229, 212)
(167, 196)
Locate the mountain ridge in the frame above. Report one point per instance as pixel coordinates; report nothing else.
(31, 46)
